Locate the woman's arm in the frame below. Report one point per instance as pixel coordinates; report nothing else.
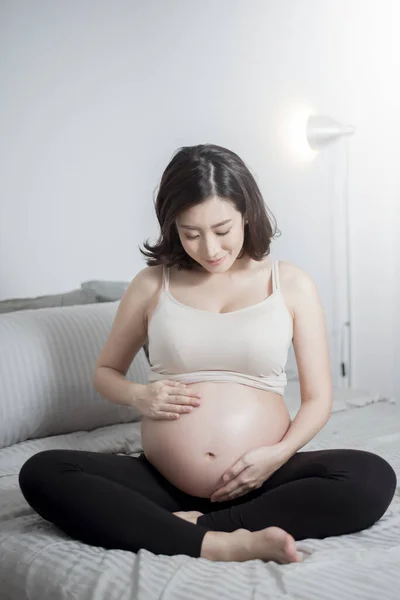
(310, 419)
(311, 349)
(127, 336)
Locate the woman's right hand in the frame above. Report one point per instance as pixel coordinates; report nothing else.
(166, 399)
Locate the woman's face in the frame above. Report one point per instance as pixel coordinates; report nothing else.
(212, 230)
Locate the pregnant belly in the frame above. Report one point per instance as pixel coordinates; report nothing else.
(194, 451)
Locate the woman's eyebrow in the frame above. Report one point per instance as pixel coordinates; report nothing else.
(212, 226)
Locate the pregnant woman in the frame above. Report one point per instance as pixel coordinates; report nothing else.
(220, 476)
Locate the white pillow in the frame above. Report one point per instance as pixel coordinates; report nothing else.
(47, 362)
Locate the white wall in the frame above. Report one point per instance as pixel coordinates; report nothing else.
(97, 95)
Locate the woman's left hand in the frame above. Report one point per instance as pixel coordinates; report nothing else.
(250, 472)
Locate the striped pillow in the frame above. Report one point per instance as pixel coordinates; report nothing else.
(47, 362)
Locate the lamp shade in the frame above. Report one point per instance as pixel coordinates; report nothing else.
(323, 130)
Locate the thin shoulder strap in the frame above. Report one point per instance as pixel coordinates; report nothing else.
(275, 276)
(165, 278)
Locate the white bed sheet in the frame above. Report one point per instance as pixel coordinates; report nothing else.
(39, 562)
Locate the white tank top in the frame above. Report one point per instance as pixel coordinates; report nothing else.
(248, 346)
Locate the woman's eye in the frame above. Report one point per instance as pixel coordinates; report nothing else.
(196, 236)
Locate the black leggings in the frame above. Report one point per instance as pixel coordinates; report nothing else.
(123, 502)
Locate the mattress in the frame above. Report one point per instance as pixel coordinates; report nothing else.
(39, 562)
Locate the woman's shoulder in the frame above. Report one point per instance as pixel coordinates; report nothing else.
(297, 285)
(146, 282)
(146, 286)
(293, 274)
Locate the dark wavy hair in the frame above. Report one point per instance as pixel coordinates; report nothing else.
(198, 173)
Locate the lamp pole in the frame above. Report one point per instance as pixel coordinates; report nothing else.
(323, 131)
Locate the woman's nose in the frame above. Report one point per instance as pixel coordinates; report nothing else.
(211, 249)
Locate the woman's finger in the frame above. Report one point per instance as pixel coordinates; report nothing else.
(239, 491)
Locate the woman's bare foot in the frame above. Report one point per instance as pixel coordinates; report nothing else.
(270, 544)
(189, 515)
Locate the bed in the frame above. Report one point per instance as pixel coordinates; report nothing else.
(40, 562)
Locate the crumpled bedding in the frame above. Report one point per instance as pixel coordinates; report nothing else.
(40, 562)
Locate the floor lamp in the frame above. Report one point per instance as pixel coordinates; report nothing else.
(321, 132)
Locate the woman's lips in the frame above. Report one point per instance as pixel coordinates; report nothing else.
(216, 262)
